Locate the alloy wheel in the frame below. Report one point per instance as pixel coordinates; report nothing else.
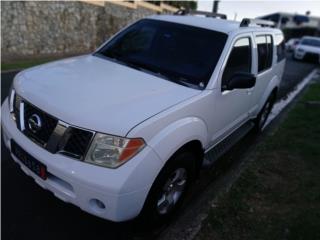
(172, 191)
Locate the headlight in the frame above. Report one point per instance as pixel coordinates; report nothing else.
(12, 94)
(111, 151)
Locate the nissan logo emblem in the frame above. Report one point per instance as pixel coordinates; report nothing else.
(34, 123)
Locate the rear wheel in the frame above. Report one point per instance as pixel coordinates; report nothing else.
(264, 113)
(169, 189)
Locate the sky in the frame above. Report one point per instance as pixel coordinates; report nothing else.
(238, 9)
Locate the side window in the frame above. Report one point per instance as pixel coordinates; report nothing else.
(279, 41)
(270, 51)
(239, 60)
(265, 52)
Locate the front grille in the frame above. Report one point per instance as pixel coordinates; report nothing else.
(47, 121)
(77, 142)
(53, 134)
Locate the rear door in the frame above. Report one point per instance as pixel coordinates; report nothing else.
(265, 58)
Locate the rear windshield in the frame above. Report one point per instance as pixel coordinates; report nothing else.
(183, 54)
(311, 42)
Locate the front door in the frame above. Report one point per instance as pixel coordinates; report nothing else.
(232, 107)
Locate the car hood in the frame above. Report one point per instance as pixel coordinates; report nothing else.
(98, 94)
(310, 49)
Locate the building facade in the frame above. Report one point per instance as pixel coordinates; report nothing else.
(295, 25)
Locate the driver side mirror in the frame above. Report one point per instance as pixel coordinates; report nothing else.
(241, 80)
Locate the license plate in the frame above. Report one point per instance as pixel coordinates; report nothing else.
(30, 162)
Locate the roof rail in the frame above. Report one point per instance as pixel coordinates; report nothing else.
(263, 23)
(207, 14)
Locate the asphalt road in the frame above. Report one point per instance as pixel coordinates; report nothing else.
(29, 212)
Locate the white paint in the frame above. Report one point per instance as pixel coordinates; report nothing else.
(122, 190)
(279, 106)
(98, 94)
(93, 93)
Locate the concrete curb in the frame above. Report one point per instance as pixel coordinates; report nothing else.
(279, 106)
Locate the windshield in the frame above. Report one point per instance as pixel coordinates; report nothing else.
(183, 54)
(311, 42)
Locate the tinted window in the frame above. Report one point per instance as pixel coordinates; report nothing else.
(279, 41)
(270, 51)
(176, 52)
(265, 52)
(310, 42)
(239, 60)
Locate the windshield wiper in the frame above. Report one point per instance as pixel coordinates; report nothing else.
(157, 72)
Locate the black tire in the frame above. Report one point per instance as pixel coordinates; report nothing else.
(264, 113)
(182, 160)
(297, 59)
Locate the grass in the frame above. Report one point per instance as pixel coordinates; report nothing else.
(278, 195)
(23, 64)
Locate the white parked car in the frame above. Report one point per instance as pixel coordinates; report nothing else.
(308, 48)
(124, 131)
(292, 44)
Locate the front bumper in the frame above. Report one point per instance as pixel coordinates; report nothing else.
(122, 190)
(299, 54)
(307, 56)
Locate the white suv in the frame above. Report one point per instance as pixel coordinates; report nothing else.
(125, 130)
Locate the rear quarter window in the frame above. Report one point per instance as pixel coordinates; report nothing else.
(279, 42)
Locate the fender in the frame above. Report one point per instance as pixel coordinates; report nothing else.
(166, 142)
(274, 83)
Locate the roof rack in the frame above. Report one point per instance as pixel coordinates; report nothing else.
(263, 23)
(207, 14)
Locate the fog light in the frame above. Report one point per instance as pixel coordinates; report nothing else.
(97, 205)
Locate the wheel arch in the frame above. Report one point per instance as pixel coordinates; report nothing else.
(190, 132)
(272, 88)
(194, 146)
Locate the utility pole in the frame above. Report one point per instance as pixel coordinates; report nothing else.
(215, 6)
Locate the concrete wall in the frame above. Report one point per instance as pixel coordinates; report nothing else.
(41, 29)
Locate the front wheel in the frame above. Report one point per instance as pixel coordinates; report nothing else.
(293, 57)
(169, 188)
